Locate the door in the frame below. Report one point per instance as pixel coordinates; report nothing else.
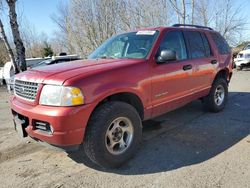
(171, 85)
(204, 62)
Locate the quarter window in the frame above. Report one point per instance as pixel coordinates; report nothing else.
(221, 43)
(174, 41)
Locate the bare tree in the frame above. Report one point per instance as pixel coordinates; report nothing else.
(145, 13)
(224, 16)
(180, 11)
(20, 49)
(229, 21)
(192, 11)
(6, 43)
(32, 39)
(4, 56)
(205, 12)
(81, 29)
(183, 11)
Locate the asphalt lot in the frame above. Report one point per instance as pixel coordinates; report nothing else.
(184, 148)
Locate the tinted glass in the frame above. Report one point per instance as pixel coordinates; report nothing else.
(174, 41)
(206, 45)
(221, 43)
(196, 46)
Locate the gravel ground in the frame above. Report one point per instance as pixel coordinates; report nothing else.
(184, 148)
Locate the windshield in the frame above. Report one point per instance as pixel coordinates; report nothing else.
(134, 45)
(247, 47)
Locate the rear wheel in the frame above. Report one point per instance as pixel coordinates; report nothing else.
(216, 100)
(113, 134)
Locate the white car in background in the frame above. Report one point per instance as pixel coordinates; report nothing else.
(31, 62)
(243, 58)
(8, 72)
(57, 59)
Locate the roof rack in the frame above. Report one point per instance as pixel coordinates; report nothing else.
(190, 25)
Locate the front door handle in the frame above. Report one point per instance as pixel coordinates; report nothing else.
(187, 67)
(214, 62)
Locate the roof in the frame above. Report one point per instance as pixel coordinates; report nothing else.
(65, 57)
(181, 26)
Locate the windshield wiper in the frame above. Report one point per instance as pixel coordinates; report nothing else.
(105, 57)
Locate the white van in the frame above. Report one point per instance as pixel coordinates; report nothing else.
(243, 58)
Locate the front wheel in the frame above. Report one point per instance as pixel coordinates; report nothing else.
(216, 99)
(239, 67)
(113, 134)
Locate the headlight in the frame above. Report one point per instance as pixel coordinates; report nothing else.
(61, 96)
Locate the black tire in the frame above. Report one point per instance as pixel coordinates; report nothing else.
(239, 68)
(96, 138)
(210, 101)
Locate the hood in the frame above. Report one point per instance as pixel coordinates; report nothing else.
(57, 74)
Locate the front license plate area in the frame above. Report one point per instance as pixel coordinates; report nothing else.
(19, 127)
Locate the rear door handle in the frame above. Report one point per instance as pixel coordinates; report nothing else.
(187, 67)
(214, 62)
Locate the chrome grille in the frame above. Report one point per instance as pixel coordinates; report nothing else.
(26, 90)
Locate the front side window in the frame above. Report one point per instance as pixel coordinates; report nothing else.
(174, 41)
(134, 45)
(196, 46)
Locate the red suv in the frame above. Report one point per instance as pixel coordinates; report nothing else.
(101, 102)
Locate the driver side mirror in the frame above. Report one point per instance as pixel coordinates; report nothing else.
(166, 55)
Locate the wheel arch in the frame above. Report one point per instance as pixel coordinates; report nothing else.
(224, 73)
(127, 97)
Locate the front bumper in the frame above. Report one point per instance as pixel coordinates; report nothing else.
(240, 62)
(68, 123)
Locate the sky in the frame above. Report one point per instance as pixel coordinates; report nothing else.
(39, 12)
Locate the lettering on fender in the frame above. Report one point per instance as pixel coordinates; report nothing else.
(161, 94)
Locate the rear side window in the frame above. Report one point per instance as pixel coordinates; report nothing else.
(221, 43)
(174, 41)
(206, 45)
(197, 47)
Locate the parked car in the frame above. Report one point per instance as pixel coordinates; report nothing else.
(243, 58)
(9, 73)
(31, 62)
(101, 102)
(58, 59)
